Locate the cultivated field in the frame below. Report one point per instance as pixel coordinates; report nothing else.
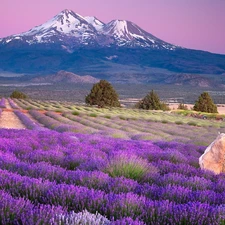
(84, 165)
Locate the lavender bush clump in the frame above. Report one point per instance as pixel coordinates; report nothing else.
(22, 211)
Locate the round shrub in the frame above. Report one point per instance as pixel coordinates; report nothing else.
(18, 94)
(129, 166)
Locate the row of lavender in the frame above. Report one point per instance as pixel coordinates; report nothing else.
(2, 103)
(11, 103)
(128, 182)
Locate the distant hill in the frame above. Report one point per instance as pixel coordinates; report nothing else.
(65, 77)
(190, 79)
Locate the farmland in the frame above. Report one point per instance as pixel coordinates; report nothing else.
(75, 163)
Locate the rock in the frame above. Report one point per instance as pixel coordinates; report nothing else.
(214, 156)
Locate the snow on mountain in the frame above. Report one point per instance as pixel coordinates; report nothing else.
(66, 22)
(97, 24)
(128, 33)
(71, 30)
(65, 26)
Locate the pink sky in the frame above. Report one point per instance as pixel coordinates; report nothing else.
(196, 24)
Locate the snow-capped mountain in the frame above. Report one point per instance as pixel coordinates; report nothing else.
(127, 33)
(66, 22)
(73, 30)
(97, 24)
(67, 28)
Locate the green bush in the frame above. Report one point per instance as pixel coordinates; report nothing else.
(103, 94)
(182, 106)
(18, 94)
(205, 104)
(151, 102)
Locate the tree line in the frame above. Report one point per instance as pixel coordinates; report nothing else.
(103, 94)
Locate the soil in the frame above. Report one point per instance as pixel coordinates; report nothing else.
(9, 120)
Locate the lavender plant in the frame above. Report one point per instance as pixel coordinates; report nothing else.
(12, 104)
(84, 218)
(30, 124)
(2, 103)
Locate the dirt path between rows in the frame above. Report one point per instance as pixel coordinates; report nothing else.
(9, 120)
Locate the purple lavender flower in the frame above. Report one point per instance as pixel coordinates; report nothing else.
(2, 103)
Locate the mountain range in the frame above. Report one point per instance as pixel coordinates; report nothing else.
(72, 30)
(120, 48)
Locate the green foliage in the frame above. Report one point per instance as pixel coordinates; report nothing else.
(129, 166)
(179, 122)
(29, 108)
(93, 115)
(205, 104)
(103, 94)
(152, 102)
(18, 94)
(192, 123)
(58, 110)
(164, 106)
(182, 106)
(122, 118)
(75, 113)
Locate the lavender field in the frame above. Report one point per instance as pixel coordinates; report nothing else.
(81, 165)
(129, 124)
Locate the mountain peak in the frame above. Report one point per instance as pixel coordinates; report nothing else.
(68, 13)
(117, 27)
(66, 23)
(129, 34)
